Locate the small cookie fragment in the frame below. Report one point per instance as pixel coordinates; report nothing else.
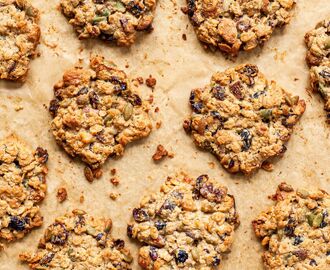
(110, 20)
(295, 231)
(22, 187)
(233, 26)
(62, 194)
(19, 37)
(79, 241)
(189, 224)
(318, 59)
(160, 153)
(242, 118)
(97, 112)
(151, 82)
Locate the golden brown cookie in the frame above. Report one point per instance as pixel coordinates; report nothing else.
(19, 37)
(232, 26)
(318, 59)
(242, 118)
(189, 224)
(295, 231)
(97, 112)
(79, 241)
(22, 187)
(117, 21)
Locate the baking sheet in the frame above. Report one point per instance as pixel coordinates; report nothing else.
(178, 66)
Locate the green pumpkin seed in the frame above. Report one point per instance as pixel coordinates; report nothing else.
(128, 111)
(98, 19)
(91, 231)
(318, 220)
(105, 13)
(266, 114)
(120, 6)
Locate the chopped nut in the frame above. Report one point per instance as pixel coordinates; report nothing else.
(61, 194)
(115, 181)
(113, 171)
(89, 174)
(267, 166)
(114, 195)
(82, 198)
(160, 153)
(151, 82)
(18, 108)
(158, 124)
(140, 80)
(184, 37)
(156, 109)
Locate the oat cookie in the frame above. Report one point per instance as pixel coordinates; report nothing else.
(296, 230)
(232, 25)
(242, 118)
(19, 37)
(22, 187)
(97, 112)
(79, 241)
(318, 59)
(117, 21)
(188, 225)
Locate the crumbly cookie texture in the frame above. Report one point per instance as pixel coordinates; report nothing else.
(242, 118)
(19, 37)
(296, 230)
(318, 59)
(22, 187)
(79, 241)
(97, 112)
(189, 224)
(110, 20)
(232, 25)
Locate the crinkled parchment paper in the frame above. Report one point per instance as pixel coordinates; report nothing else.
(178, 66)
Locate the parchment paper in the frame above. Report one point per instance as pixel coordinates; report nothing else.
(178, 66)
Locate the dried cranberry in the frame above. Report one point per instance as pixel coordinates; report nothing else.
(237, 88)
(53, 107)
(94, 99)
(219, 92)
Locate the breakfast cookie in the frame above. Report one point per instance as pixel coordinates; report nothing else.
(232, 25)
(189, 224)
(22, 188)
(242, 118)
(295, 231)
(79, 241)
(110, 20)
(19, 37)
(318, 59)
(97, 112)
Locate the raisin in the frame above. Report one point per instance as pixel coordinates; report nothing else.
(219, 92)
(197, 107)
(94, 99)
(140, 215)
(237, 88)
(211, 193)
(99, 236)
(42, 155)
(191, 8)
(53, 107)
(58, 234)
(106, 37)
(298, 240)
(135, 9)
(130, 231)
(247, 139)
(83, 91)
(258, 94)
(16, 223)
(153, 253)
(325, 74)
(160, 225)
(119, 244)
(313, 262)
(187, 125)
(168, 205)
(181, 256)
(47, 258)
(251, 70)
(216, 261)
(231, 164)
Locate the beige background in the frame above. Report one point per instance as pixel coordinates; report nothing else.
(178, 66)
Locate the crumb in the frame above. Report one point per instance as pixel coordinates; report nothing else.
(82, 198)
(140, 80)
(296, 79)
(184, 10)
(211, 164)
(160, 153)
(184, 37)
(151, 82)
(18, 108)
(114, 195)
(267, 166)
(92, 174)
(151, 99)
(62, 194)
(97, 173)
(170, 154)
(156, 109)
(127, 66)
(113, 171)
(158, 124)
(115, 181)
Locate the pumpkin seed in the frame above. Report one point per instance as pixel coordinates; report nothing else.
(128, 111)
(303, 193)
(266, 114)
(315, 220)
(97, 19)
(91, 231)
(327, 43)
(120, 6)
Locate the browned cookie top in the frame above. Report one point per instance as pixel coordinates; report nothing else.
(79, 241)
(242, 118)
(110, 20)
(188, 225)
(97, 112)
(22, 187)
(234, 25)
(295, 231)
(19, 37)
(318, 58)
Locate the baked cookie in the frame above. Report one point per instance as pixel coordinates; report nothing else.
(189, 224)
(19, 37)
(296, 230)
(242, 118)
(97, 112)
(318, 59)
(22, 187)
(233, 25)
(79, 241)
(117, 21)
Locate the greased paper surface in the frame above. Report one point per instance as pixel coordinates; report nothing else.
(178, 65)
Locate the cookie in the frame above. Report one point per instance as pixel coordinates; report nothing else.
(96, 112)
(242, 118)
(19, 37)
(233, 26)
(110, 20)
(79, 241)
(22, 187)
(189, 224)
(295, 231)
(318, 59)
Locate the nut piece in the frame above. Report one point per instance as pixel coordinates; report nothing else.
(160, 153)
(61, 194)
(151, 82)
